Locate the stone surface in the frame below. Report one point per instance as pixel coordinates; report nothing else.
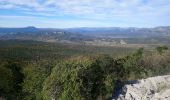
(153, 88)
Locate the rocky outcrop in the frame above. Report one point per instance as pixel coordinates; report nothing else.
(153, 88)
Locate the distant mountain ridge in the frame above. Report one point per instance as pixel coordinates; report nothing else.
(122, 31)
(38, 34)
(85, 34)
(91, 30)
(14, 30)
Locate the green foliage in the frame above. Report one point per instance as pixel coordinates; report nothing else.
(35, 75)
(90, 79)
(80, 79)
(11, 79)
(106, 64)
(26, 51)
(6, 81)
(27, 72)
(128, 67)
(18, 76)
(156, 64)
(131, 65)
(161, 49)
(63, 83)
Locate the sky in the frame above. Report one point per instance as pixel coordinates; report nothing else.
(84, 13)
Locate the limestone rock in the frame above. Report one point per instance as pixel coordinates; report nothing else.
(153, 88)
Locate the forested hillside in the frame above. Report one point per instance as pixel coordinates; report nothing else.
(31, 70)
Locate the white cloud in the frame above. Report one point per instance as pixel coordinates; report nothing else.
(97, 10)
(84, 7)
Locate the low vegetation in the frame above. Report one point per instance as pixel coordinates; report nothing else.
(43, 71)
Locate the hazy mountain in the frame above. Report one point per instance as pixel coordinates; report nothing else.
(82, 34)
(38, 34)
(122, 32)
(15, 30)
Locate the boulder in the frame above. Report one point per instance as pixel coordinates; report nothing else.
(153, 88)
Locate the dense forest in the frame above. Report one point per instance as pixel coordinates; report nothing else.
(31, 70)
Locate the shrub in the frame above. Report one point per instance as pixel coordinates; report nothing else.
(80, 79)
(35, 74)
(161, 49)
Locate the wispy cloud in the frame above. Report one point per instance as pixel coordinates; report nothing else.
(128, 11)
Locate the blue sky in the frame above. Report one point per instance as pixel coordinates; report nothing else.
(84, 13)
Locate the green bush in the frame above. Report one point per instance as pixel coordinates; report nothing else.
(35, 74)
(80, 79)
(11, 78)
(6, 81)
(75, 78)
(161, 49)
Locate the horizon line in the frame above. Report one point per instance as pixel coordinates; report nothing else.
(84, 27)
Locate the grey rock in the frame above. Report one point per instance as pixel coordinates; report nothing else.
(153, 88)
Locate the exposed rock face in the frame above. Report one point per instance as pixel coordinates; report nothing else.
(153, 88)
